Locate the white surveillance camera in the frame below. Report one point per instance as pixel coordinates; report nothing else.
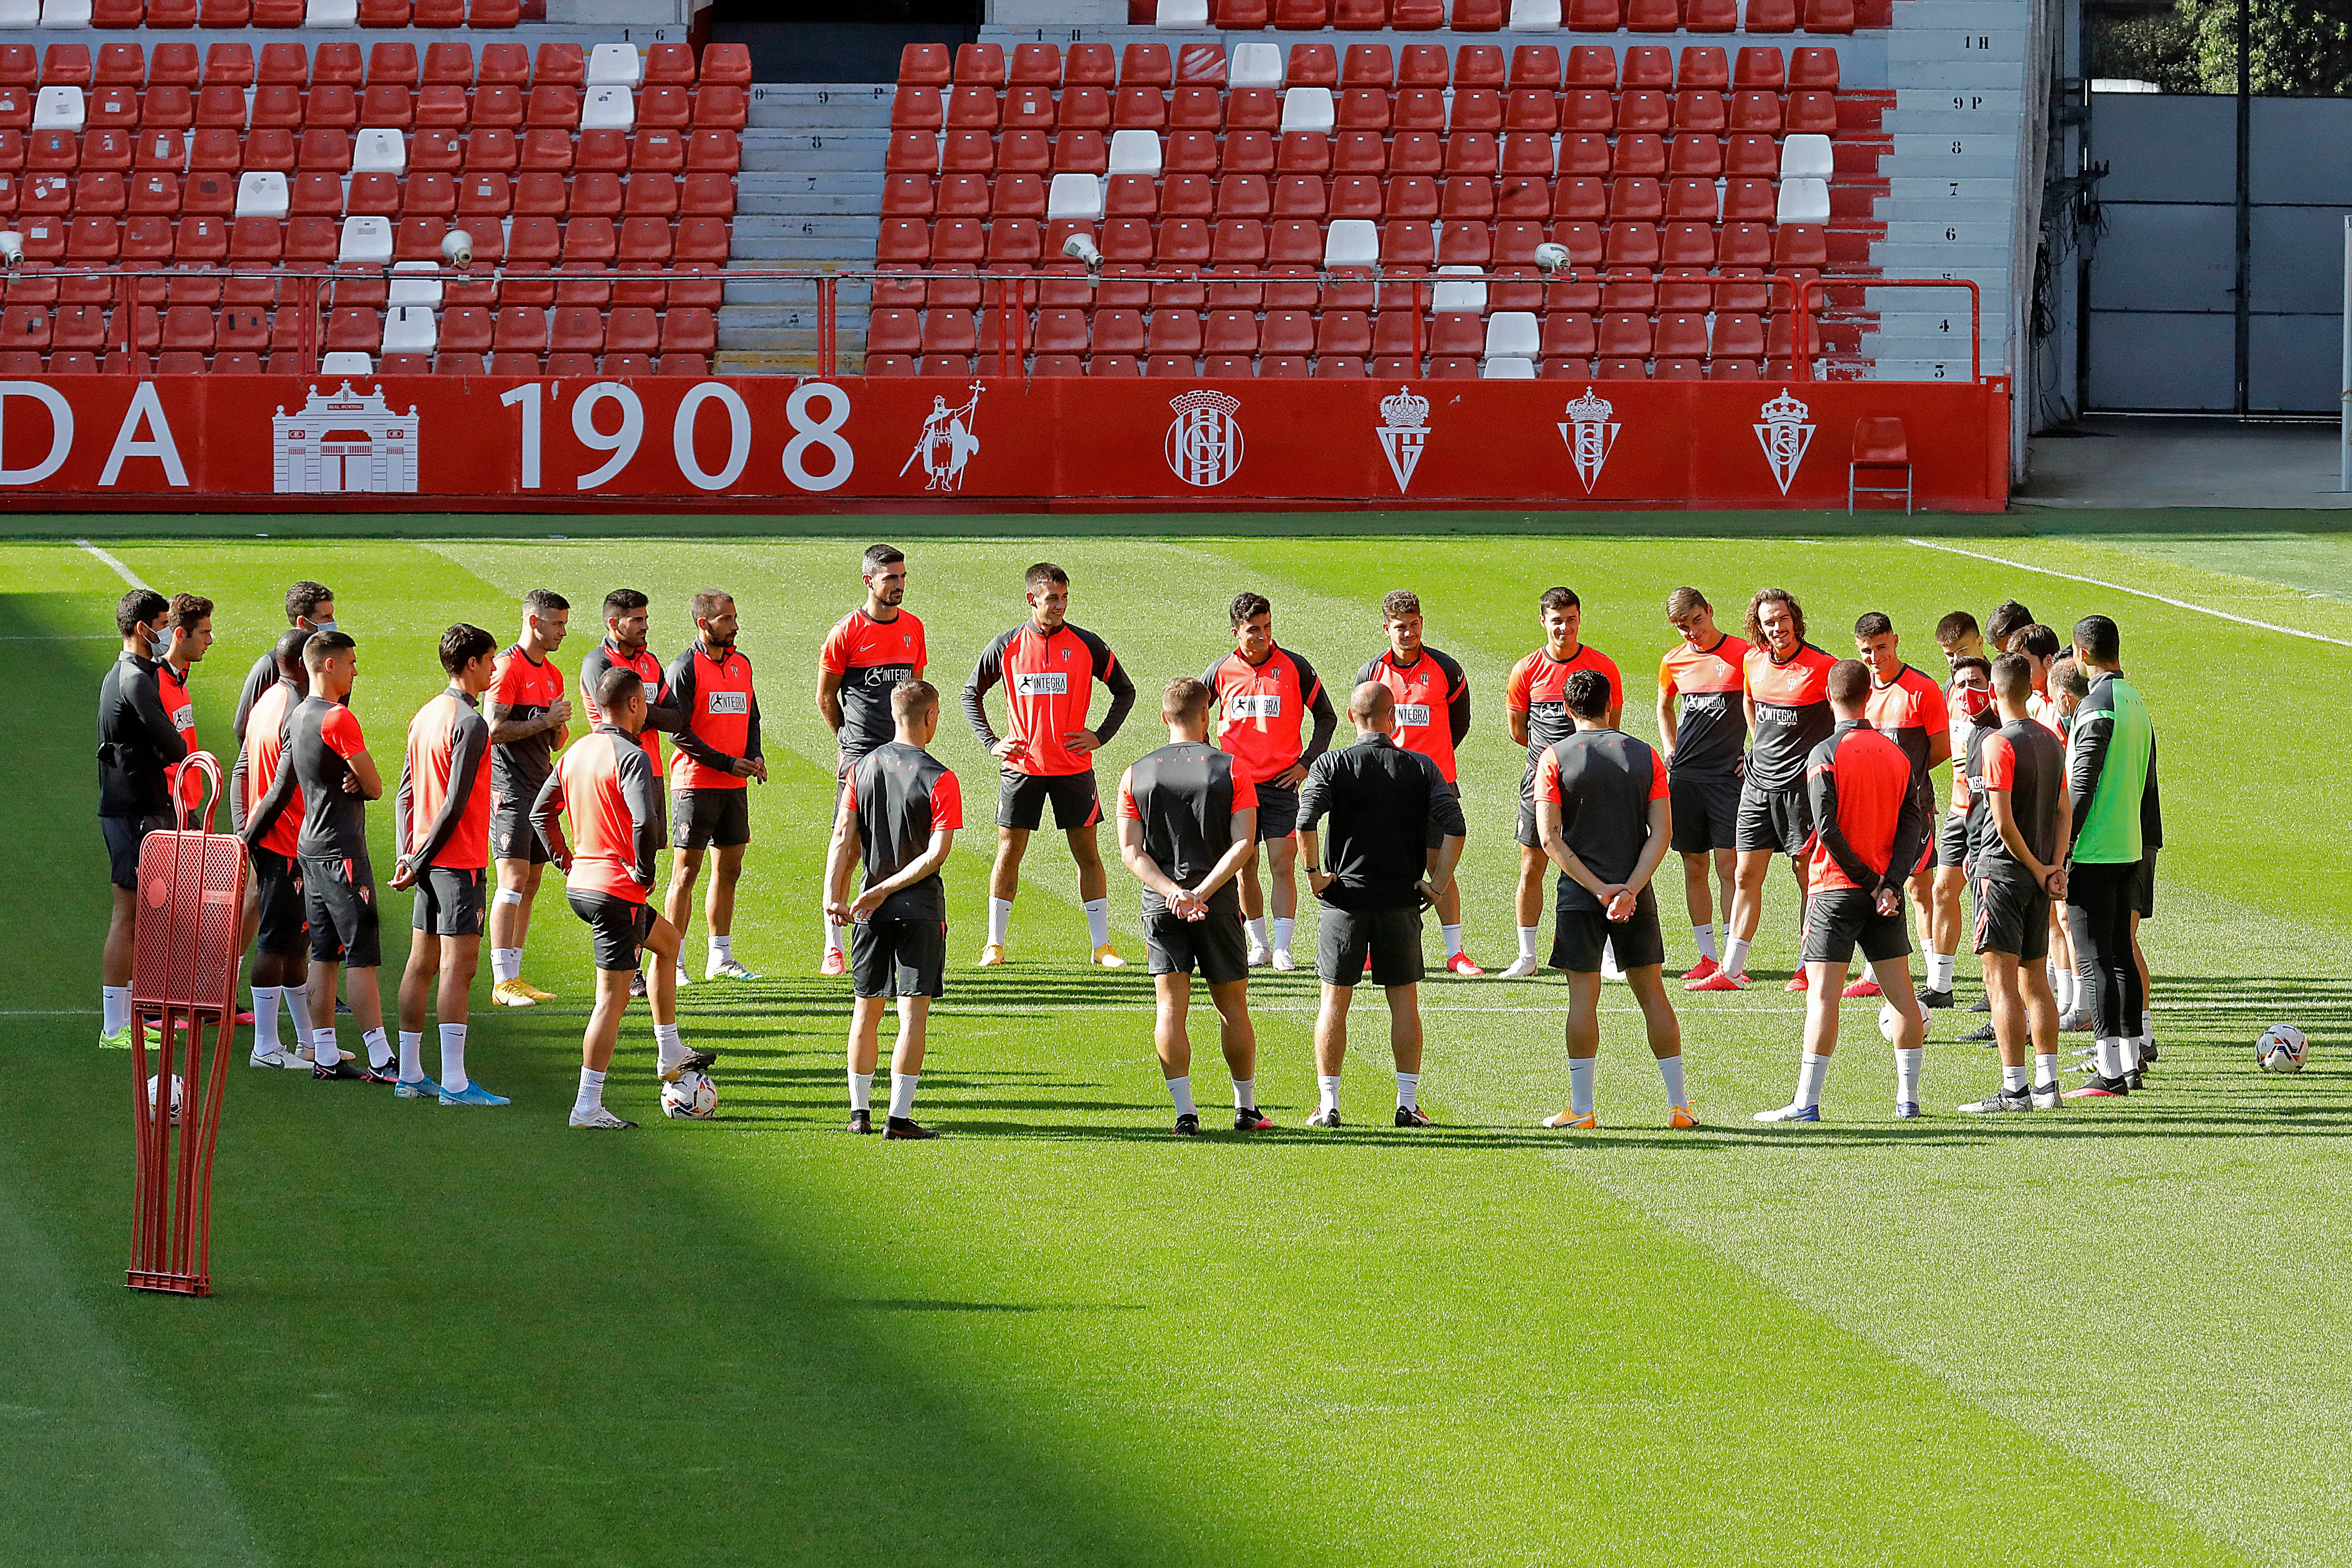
(1081, 249)
(11, 249)
(457, 247)
(1551, 257)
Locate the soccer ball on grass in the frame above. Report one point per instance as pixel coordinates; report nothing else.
(154, 1083)
(2282, 1049)
(691, 1097)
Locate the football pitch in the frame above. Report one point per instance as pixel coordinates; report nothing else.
(2119, 1333)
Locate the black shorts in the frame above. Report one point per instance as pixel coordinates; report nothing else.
(1021, 800)
(340, 896)
(512, 837)
(719, 818)
(1435, 838)
(277, 888)
(1578, 935)
(1213, 945)
(1277, 811)
(1391, 937)
(449, 902)
(898, 957)
(617, 928)
(123, 836)
(1839, 920)
(1952, 840)
(1525, 831)
(2012, 917)
(1779, 819)
(1707, 812)
(2144, 888)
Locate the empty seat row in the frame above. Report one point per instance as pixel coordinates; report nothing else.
(1262, 66)
(1526, 16)
(389, 106)
(194, 362)
(335, 151)
(442, 64)
(1332, 366)
(372, 241)
(57, 15)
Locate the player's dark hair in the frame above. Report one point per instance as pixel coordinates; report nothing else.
(1558, 599)
(1873, 623)
(1043, 572)
(2012, 675)
(1849, 683)
(2038, 640)
(877, 556)
(304, 598)
(2098, 637)
(909, 698)
(1586, 692)
(1184, 696)
(1686, 602)
(2068, 676)
(461, 645)
(1244, 606)
(621, 601)
(544, 602)
(1977, 662)
(2008, 616)
(705, 604)
(1953, 628)
(1399, 601)
(288, 653)
(615, 687)
(1755, 623)
(1369, 701)
(320, 647)
(187, 610)
(137, 607)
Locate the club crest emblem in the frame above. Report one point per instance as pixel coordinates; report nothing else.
(1590, 435)
(1204, 440)
(1786, 436)
(1403, 432)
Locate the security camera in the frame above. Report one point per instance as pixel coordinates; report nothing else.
(1081, 249)
(1551, 257)
(11, 249)
(458, 248)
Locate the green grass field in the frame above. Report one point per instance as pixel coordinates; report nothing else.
(2117, 1334)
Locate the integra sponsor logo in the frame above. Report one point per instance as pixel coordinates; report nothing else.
(1256, 705)
(886, 674)
(1412, 713)
(736, 702)
(1028, 684)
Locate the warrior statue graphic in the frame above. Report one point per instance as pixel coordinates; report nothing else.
(947, 443)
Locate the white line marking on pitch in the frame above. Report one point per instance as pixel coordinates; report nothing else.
(125, 572)
(2137, 593)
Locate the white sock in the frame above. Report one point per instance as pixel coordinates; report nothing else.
(667, 1049)
(1180, 1089)
(1245, 1094)
(1580, 1084)
(1529, 936)
(2012, 1078)
(2063, 985)
(1671, 1070)
(1704, 936)
(2045, 1071)
(1940, 966)
(114, 1008)
(1329, 1090)
(902, 1095)
(1408, 1089)
(592, 1093)
(861, 1092)
(453, 1058)
(1907, 1063)
(2146, 1030)
(722, 948)
(1256, 931)
(1097, 920)
(412, 1056)
(324, 1052)
(1811, 1072)
(2129, 1045)
(1282, 929)
(1734, 956)
(1453, 940)
(265, 1018)
(379, 1048)
(833, 942)
(506, 964)
(298, 1012)
(2111, 1058)
(1000, 921)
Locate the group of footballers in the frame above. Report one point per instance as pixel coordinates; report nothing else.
(1769, 746)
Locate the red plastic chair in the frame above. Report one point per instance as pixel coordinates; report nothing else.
(1879, 448)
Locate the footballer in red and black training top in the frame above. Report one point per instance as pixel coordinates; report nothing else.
(718, 737)
(1538, 711)
(1906, 707)
(1787, 680)
(2025, 759)
(1048, 668)
(1869, 824)
(865, 656)
(277, 874)
(1706, 671)
(441, 817)
(627, 623)
(137, 741)
(901, 796)
(1603, 781)
(527, 689)
(1432, 695)
(1264, 690)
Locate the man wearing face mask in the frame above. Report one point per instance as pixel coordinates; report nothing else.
(310, 607)
(137, 746)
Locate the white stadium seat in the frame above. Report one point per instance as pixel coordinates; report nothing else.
(1074, 196)
(1806, 156)
(1803, 201)
(367, 242)
(616, 65)
(378, 152)
(608, 109)
(1135, 152)
(261, 192)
